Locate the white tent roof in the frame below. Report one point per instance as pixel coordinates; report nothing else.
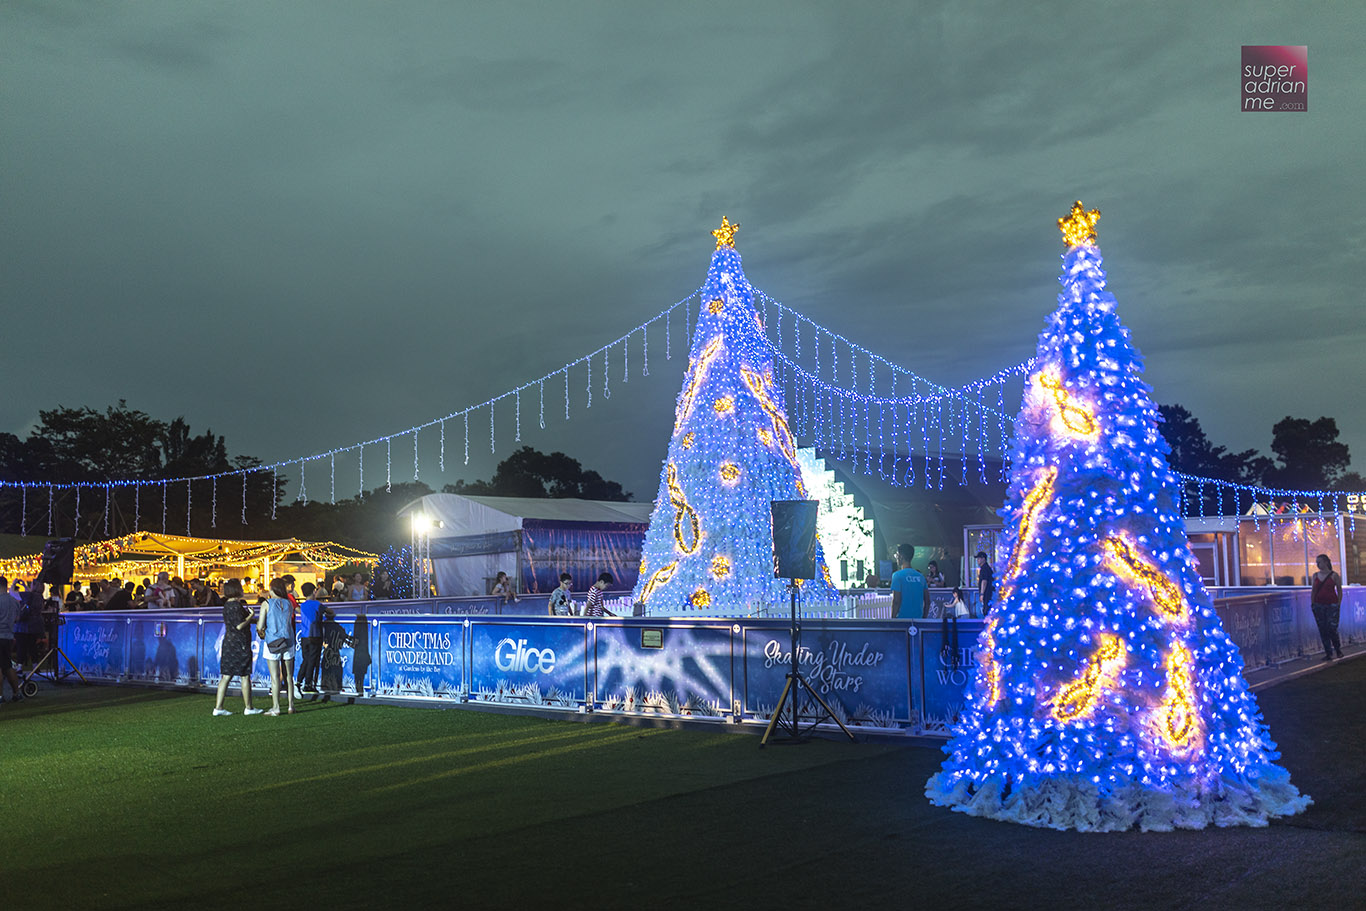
(465, 515)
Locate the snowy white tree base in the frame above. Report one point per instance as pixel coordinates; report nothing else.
(1069, 803)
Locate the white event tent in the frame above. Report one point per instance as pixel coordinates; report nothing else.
(531, 539)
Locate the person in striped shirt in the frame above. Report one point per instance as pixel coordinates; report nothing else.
(594, 606)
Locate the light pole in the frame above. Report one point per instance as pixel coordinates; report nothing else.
(421, 549)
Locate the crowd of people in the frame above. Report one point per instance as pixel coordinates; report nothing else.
(168, 592)
(291, 632)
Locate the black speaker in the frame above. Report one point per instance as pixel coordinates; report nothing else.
(59, 561)
(794, 538)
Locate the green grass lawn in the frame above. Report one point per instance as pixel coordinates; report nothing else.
(125, 797)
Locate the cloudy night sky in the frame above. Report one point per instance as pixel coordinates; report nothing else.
(312, 223)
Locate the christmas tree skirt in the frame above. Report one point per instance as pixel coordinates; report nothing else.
(1079, 803)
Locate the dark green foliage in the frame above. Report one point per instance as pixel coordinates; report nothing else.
(81, 444)
(1193, 453)
(530, 473)
(1309, 456)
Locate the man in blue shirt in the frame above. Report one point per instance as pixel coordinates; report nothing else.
(311, 616)
(910, 593)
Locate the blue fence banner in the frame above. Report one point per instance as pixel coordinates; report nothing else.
(679, 668)
(529, 663)
(947, 669)
(885, 674)
(419, 658)
(861, 670)
(164, 649)
(96, 644)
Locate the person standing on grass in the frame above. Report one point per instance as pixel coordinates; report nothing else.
(594, 607)
(9, 613)
(1327, 605)
(276, 627)
(311, 616)
(910, 594)
(235, 658)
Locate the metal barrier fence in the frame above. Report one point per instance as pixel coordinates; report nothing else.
(905, 676)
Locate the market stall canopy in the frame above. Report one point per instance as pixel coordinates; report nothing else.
(147, 553)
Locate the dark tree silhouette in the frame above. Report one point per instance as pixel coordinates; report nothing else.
(1310, 457)
(1193, 453)
(530, 473)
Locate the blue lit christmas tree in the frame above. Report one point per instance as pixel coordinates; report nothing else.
(1107, 695)
(398, 562)
(710, 543)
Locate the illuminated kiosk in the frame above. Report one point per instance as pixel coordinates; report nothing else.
(1108, 695)
(730, 456)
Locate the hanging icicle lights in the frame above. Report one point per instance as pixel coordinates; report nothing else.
(838, 409)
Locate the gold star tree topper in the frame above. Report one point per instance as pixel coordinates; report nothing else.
(725, 235)
(1079, 228)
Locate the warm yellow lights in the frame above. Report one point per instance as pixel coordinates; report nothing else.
(662, 575)
(991, 668)
(759, 385)
(1076, 418)
(730, 472)
(724, 405)
(140, 554)
(1079, 697)
(1122, 558)
(1178, 722)
(720, 566)
(687, 527)
(687, 440)
(1079, 226)
(1039, 496)
(725, 235)
(699, 372)
(717, 305)
(700, 598)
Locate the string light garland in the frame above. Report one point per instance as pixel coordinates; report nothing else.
(1038, 498)
(1077, 699)
(661, 576)
(1125, 561)
(1180, 717)
(964, 410)
(146, 553)
(683, 513)
(1076, 418)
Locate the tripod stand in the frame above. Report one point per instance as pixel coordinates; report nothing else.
(793, 690)
(55, 674)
